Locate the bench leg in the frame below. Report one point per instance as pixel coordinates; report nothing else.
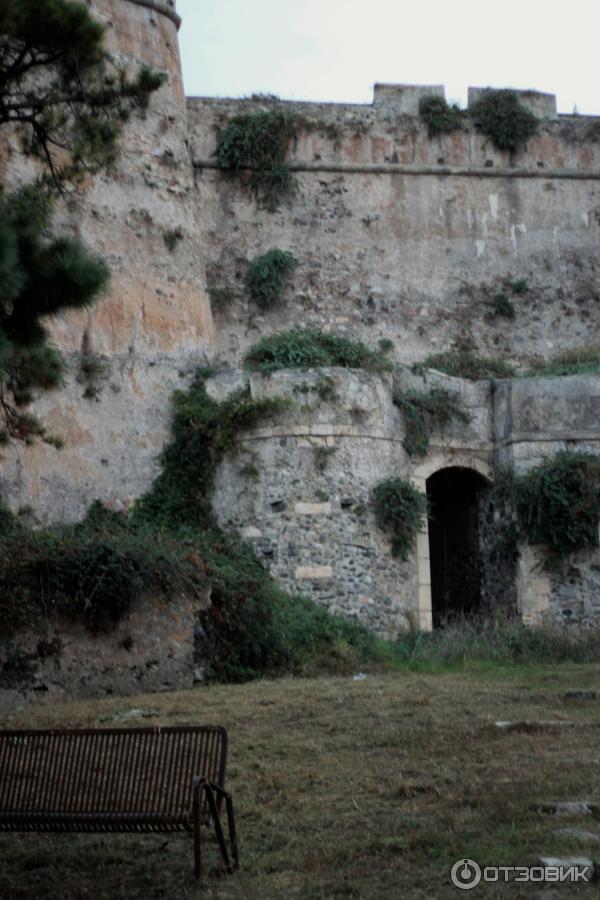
(232, 831)
(196, 835)
(214, 814)
(197, 849)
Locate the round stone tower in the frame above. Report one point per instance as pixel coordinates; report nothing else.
(145, 338)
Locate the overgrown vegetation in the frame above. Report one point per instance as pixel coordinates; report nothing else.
(558, 503)
(169, 546)
(259, 142)
(306, 348)
(203, 432)
(501, 303)
(400, 509)
(425, 412)
(440, 116)
(322, 456)
(467, 364)
(503, 306)
(517, 286)
(94, 571)
(39, 277)
(578, 361)
(502, 117)
(267, 275)
(172, 237)
(93, 370)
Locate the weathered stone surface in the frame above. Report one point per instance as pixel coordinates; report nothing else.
(398, 237)
(402, 237)
(313, 573)
(151, 650)
(154, 325)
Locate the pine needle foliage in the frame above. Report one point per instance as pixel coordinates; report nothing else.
(63, 91)
(67, 99)
(40, 277)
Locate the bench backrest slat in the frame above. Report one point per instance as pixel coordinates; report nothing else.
(108, 770)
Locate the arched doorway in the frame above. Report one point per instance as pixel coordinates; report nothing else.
(453, 496)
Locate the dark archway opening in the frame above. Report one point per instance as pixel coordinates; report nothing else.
(454, 547)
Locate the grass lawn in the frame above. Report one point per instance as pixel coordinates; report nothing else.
(367, 789)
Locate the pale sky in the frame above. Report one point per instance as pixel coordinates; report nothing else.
(337, 49)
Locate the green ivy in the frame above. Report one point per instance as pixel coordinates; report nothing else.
(400, 509)
(170, 547)
(308, 348)
(440, 116)
(259, 142)
(203, 432)
(425, 412)
(502, 117)
(267, 274)
(558, 503)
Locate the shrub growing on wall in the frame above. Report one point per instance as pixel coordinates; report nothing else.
(502, 117)
(306, 348)
(400, 509)
(259, 141)
(558, 503)
(267, 274)
(440, 116)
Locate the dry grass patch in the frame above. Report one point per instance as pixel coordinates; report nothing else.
(350, 789)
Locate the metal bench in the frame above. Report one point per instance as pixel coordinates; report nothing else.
(118, 780)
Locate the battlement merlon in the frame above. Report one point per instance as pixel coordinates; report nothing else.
(404, 99)
(166, 7)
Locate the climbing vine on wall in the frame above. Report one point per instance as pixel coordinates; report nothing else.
(259, 142)
(400, 509)
(424, 413)
(558, 503)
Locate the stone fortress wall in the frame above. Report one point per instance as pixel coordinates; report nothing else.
(155, 325)
(401, 236)
(397, 236)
